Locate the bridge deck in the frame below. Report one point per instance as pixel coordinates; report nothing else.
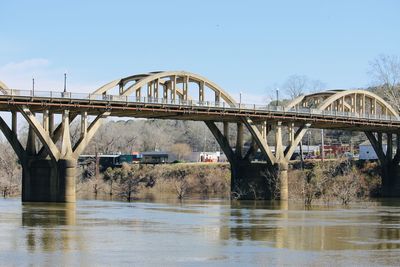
(56, 102)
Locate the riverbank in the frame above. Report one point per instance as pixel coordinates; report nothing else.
(321, 183)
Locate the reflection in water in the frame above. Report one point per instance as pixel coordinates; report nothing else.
(216, 232)
(47, 225)
(316, 229)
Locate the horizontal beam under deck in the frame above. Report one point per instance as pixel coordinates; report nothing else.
(196, 113)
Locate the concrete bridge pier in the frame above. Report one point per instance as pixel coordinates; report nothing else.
(47, 181)
(251, 181)
(389, 161)
(49, 172)
(257, 180)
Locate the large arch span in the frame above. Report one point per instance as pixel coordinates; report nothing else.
(174, 85)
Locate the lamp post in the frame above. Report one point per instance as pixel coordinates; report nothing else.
(33, 86)
(65, 82)
(277, 98)
(240, 99)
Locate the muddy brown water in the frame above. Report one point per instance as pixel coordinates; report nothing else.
(198, 232)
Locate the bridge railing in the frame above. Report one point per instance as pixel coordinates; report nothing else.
(192, 103)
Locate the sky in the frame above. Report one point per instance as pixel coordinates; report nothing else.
(244, 46)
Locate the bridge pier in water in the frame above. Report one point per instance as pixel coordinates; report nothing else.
(258, 180)
(45, 181)
(389, 161)
(48, 173)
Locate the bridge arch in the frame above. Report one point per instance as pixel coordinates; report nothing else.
(173, 84)
(3, 87)
(361, 102)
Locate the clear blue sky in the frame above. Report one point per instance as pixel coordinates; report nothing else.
(248, 46)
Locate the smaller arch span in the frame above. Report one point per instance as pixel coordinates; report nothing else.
(355, 101)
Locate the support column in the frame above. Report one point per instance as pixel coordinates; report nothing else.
(248, 179)
(46, 120)
(226, 129)
(31, 142)
(51, 124)
(14, 126)
(49, 181)
(83, 124)
(239, 140)
(282, 175)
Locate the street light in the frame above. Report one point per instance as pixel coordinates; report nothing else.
(240, 99)
(277, 98)
(33, 86)
(65, 82)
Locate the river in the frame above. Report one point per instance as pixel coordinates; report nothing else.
(198, 232)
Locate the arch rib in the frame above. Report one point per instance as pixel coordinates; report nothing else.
(339, 95)
(3, 87)
(144, 79)
(329, 97)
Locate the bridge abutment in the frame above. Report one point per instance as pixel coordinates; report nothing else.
(47, 181)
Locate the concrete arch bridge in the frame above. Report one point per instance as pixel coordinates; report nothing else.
(49, 170)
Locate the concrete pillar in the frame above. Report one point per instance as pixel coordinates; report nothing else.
(217, 97)
(14, 126)
(389, 150)
(31, 142)
(278, 141)
(149, 90)
(165, 91)
(239, 139)
(139, 94)
(226, 129)
(156, 86)
(264, 130)
(282, 175)
(173, 87)
(47, 181)
(51, 124)
(84, 123)
(201, 91)
(46, 120)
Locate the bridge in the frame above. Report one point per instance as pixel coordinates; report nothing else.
(49, 170)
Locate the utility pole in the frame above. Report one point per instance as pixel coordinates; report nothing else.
(322, 146)
(301, 155)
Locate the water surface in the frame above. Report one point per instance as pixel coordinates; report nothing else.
(193, 233)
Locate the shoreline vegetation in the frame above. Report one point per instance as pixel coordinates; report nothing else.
(332, 182)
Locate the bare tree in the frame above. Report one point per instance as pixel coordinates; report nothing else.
(296, 85)
(385, 72)
(10, 171)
